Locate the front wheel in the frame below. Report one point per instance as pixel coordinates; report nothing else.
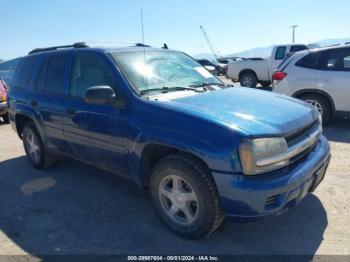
(185, 197)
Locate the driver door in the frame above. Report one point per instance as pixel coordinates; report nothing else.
(93, 131)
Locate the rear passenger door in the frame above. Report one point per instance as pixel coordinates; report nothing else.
(334, 76)
(92, 131)
(47, 99)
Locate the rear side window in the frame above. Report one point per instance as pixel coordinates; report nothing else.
(336, 60)
(24, 72)
(311, 61)
(55, 73)
(297, 48)
(280, 52)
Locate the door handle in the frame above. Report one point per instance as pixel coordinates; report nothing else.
(70, 111)
(34, 103)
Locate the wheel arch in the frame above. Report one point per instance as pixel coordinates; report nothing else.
(247, 70)
(154, 152)
(300, 93)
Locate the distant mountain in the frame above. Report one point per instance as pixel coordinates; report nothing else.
(266, 51)
(204, 56)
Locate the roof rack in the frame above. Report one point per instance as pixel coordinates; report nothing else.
(142, 45)
(75, 45)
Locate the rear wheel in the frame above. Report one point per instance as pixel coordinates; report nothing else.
(35, 149)
(185, 197)
(265, 84)
(248, 80)
(320, 103)
(6, 118)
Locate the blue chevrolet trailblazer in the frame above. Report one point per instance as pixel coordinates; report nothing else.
(204, 150)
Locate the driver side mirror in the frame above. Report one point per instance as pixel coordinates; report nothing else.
(100, 95)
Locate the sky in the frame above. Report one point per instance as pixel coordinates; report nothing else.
(232, 25)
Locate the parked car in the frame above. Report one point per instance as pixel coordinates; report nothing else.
(320, 77)
(3, 101)
(7, 69)
(202, 150)
(220, 69)
(250, 72)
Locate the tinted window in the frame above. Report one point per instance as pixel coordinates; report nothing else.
(311, 60)
(280, 52)
(40, 81)
(24, 72)
(89, 70)
(297, 48)
(336, 60)
(55, 73)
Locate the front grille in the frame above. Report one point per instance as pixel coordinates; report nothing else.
(301, 134)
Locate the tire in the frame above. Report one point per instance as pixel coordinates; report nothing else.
(35, 149)
(216, 72)
(321, 103)
(265, 84)
(6, 118)
(248, 80)
(196, 193)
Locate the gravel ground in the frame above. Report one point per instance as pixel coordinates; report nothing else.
(76, 209)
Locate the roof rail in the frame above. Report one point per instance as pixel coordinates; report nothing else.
(75, 45)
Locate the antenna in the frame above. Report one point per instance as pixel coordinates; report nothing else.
(144, 49)
(142, 31)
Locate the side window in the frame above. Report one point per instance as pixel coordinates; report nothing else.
(40, 81)
(347, 63)
(311, 60)
(89, 70)
(24, 72)
(55, 73)
(337, 60)
(297, 48)
(280, 52)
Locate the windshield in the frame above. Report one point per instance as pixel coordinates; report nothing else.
(156, 70)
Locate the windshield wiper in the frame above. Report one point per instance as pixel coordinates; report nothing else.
(204, 84)
(166, 89)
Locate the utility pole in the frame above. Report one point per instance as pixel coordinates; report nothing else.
(293, 36)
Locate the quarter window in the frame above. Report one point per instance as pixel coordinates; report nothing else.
(89, 70)
(24, 72)
(311, 60)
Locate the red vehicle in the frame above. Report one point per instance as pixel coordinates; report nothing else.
(3, 101)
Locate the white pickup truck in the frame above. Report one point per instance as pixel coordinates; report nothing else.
(251, 71)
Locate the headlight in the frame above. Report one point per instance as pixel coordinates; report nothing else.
(254, 154)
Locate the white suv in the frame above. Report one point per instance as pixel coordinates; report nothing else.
(320, 77)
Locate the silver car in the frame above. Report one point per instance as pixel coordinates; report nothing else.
(320, 77)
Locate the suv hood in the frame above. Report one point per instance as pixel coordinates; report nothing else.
(257, 112)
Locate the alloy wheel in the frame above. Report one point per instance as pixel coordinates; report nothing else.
(178, 200)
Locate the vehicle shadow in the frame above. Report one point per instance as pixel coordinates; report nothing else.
(76, 209)
(338, 129)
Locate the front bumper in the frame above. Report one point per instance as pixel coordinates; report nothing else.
(248, 198)
(3, 108)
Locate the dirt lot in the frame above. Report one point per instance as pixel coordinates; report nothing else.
(76, 209)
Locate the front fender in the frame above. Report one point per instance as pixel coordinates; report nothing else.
(217, 158)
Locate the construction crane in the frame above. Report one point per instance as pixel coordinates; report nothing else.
(209, 42)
